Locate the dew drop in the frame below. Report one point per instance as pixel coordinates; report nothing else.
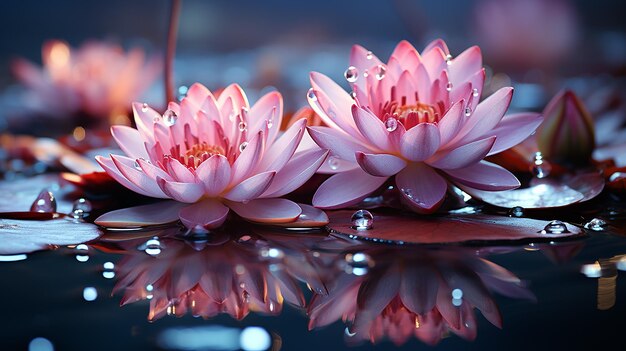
(144, 107)
(449, 86)
(516, 211)
(540, 167)
(83, 205)
(366, 73)
(617, 176)
(369, 55)
(243, 146)
(362, 220)
(270, 123)
(391, 124)
(353, 95)
(351, 74)
(45, 202)
(243, 126)
(468, 111)
(381, 70)
(449, 59)
(333, 162)
(170, 117)
(475, 92)
(596, 224)
(555, 227)
(311, 95)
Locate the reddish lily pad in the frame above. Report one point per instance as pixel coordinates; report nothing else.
(475, 228)
(23, 236)
(546, 193)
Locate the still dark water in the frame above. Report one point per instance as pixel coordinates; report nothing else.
(544, 301)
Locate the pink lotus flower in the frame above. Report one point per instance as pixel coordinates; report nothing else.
(97, 79)
(417, 118)
(217, 154)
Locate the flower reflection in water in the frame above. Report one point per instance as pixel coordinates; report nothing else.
(415, 292)
(221, 273)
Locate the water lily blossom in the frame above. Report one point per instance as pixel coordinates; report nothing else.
(216, 154)
(97, 79)
(418, 119)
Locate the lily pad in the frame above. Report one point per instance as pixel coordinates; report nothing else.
(473, 229)
(18, 195)
(23, 236)
(546, 193)
(310, 217)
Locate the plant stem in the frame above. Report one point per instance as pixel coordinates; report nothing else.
(171, 50)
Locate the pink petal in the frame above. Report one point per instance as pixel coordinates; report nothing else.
(422, 188)
(126, 166)
(295, 173)
(462, 156)
(183, 192)
(403, 50)
(153, 171)
(267, 210)
(465, 65)
(451, 123)
(159, 213)
(513, 129)
(197, 94)
(145, 120)
(178, 171)
(333, 104)
(437, 43)
(434, 61)
(250, 188)
(270, 105)
(486, 116)
(485, 176)
(345, 189)
(420, 142)
(359, 59)
(208, 213)
(237, 96)
(214, 173)
(371, 127)
(283, 148)
(249, 158)
(380, 165)
(108, 165)
(129, 140)
(339, 143)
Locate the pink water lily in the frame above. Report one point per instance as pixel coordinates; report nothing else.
(97, 79)
(215, 154)
(417, 118)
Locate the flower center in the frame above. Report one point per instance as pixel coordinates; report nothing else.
(197, 154)
(415, 114)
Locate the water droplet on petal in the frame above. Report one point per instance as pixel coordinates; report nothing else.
(362, 220)
(381, 70)
(475, 92)
(366, 73)
(45, 202)
(369, 55)
(596, 224)
(243, 146)
(555, 227)
(353, 95)
(243, 126)
(516, 211)
(333, 162)
(311, 95)
(468, 111)
(170, 117)
(270, 123)
(351, 74)
(449, 86)
(449, 59)
(144, 107)
(391, 124)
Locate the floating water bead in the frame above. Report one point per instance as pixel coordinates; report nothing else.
(83, 205)
(555, 227)
(516, 211)
(362, 220)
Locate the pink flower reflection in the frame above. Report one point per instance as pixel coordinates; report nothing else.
(231, 275)
(424, 294)
(98, 79)
(217, 154)
(417, 119)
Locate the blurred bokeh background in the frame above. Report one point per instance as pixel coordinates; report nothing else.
(533, 44)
